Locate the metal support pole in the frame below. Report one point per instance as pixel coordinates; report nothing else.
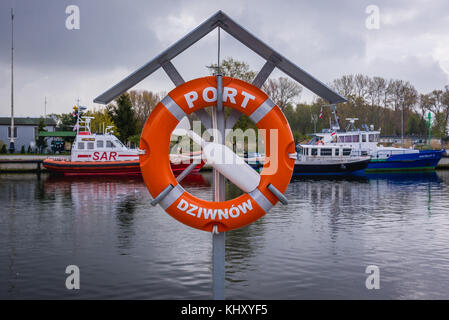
(187, 171)
(218, 239)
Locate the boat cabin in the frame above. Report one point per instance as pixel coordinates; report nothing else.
(323, 151)
(104, 146)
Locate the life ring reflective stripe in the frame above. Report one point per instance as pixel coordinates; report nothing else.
(188, 209)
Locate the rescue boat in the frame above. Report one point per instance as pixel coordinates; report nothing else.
(104, 154)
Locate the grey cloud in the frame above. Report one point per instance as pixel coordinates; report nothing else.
(326, 38)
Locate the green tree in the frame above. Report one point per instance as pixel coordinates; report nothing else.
(143, 102)
(3, 149)
(439, 128)
(416, 125)
(41, 142)
(101, 119)
(65, 122)
(233, 68)
(123, 116)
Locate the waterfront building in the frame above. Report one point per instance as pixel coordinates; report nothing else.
(25, 131)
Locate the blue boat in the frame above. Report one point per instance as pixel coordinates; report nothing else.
(319, 160)
(365, 142)
(406, 161)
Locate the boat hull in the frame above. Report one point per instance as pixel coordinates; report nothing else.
(77, 168)
(424, 160)
(330, 169)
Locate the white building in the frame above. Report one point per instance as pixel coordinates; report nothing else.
(25, 131)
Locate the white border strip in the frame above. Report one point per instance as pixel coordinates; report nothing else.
(170, 198)
(262, 110)
(261, 200)
(173, 107)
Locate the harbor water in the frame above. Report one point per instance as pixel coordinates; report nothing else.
(317, 247)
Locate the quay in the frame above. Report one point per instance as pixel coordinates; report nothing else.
(33, 163)
(25, 163)
(444, 163)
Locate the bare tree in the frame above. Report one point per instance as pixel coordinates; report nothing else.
(361, 84)
(282, 91)
(438, 103)
(425, 104)
(345, 86)
(143, 102)
(376, 89)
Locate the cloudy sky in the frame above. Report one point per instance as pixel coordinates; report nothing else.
(326, 38)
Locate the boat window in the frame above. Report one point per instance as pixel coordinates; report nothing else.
(346, 152)
(337, 152)
(363, 137)
(90, 145)
(341, 139)
(348, 139)
(109, 144)
(371, 137)
(100, 144)
(376, 137)
(355, 138)
(314, 151)
(118, 143)
(80, 145)
(326, 152)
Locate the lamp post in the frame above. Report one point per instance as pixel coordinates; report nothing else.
(402, 121)
(430, 118)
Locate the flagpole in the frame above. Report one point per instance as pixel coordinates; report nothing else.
(11, 140)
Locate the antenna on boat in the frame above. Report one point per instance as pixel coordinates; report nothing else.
(87, 120)
(108, 130)
(351, 124)
(334, 113)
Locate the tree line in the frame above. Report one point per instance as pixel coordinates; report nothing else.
(373, 100)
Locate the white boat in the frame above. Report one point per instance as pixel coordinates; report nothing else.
(327, 160)
(365, 142)
(105, 154)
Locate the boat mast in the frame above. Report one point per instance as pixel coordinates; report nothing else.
(334, 113)
(78, 117)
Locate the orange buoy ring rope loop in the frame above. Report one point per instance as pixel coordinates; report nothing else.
(183, 206)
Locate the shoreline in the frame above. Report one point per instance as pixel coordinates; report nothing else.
(21, 167)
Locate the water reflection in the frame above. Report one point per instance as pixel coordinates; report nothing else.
(317, 247)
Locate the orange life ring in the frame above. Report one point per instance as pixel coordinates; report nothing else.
(155, 165)
(320, 142)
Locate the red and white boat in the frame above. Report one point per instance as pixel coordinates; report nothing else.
(105, 154)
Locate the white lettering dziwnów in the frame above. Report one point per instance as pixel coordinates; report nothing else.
(209, 213)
